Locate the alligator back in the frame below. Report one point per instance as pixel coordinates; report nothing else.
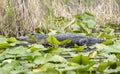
(75, 39)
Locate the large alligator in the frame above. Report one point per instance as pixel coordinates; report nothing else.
(75, 39)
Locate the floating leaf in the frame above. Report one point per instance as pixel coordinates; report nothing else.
(4, 45)
(48, 58)
(18, 51)
(79, 48)
(11, 40)
(9, 67)
(108, 42)
(3, 39)
(112, 71)
(35, 47)
(70, 72)
(92, 54)
(65, 41)
(80, 59)
(102, 66)
(53, 40)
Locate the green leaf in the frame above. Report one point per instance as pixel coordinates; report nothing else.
(108, 36)
(108, 30)
(80, 59)
(70, 72)
(108, 42)
(88, 16)
(4, 45)
(49, 70)
(3, 39)
(53, 40)
(86, 23)
(10, 66)
(41, 60)
(2, 71)
(33, 38)
(79, 48)
(103, 65)
(70, 66)
(35, 47)
(18, 51)
(48, 58)
(11, 40)
(93, 54)
(57, 58)
(65, 41)
(112, 71)
(78, 16)
(91, 15)
(91, 23)
(84, 27)
(113, 48)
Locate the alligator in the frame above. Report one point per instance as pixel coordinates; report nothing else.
(75, 39)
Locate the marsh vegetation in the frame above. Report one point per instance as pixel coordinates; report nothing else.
(96, 18)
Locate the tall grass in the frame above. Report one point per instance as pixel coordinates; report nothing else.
(19, 17)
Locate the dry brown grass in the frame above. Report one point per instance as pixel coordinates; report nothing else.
(18, 17)
(104, 10)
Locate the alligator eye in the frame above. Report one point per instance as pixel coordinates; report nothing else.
(83, 42)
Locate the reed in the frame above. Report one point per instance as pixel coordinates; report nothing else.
(19, 17)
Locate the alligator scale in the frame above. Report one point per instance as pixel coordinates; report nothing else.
(75, 39)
